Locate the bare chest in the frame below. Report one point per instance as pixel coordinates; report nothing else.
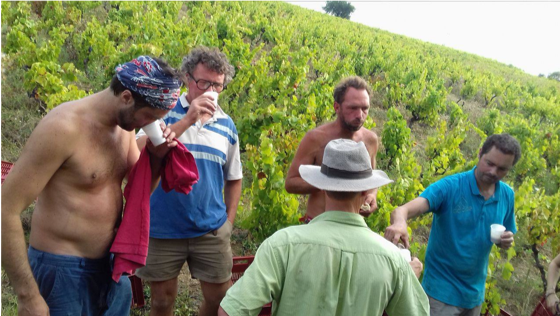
(98, 161)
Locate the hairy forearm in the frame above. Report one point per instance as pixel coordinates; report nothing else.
(414, 208)
(14, 257)
(232, 194)
(399, 215)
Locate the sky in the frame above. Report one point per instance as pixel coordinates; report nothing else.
(523, 34)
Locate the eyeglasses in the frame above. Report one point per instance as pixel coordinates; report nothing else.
(205, 84)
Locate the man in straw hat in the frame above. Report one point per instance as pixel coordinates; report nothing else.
(75, 162)
(335, 265)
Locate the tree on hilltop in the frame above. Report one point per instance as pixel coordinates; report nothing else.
(341, 9)
(555, 75)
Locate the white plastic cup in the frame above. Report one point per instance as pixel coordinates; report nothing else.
(154, 132)
(214, 95)
(496, 231)
(405, 253)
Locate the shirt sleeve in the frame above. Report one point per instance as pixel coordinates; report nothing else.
(436, 193)
(261, 282)
(233, 163)
(509, 220)
(409, 297)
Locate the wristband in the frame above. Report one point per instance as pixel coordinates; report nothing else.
(548, 294)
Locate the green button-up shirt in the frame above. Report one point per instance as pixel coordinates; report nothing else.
(335, 265)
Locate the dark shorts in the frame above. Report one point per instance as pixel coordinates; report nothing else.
(77, 286)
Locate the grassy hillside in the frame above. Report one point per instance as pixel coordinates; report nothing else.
(432, 106)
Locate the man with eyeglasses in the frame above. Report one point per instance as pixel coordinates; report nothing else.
(197, 227)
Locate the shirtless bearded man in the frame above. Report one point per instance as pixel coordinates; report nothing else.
(75, 162)
(351, 104)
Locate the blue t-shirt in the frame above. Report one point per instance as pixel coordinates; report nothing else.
(459, 245)
(215, 147)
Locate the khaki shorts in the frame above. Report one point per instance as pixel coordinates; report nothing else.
(208, 256)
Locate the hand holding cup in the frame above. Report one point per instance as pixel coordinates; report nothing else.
(154, 132)
(496, 231)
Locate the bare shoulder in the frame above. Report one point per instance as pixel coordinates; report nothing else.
(51, 143)
(324, 134)
(312, 137)
(56, 135)
(310, 148)
(370, 138)
(61, 123)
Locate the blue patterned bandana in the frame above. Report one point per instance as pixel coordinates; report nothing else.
(144, 76)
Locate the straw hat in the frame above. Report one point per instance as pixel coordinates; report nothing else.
(346, 168)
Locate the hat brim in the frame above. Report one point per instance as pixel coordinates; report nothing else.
(312, 175)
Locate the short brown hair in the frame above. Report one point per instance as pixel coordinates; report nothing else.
(355, 82)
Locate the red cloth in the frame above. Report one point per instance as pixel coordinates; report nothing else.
(130, 246)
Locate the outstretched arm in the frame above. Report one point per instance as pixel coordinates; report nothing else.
(398, 229)
(48, 147)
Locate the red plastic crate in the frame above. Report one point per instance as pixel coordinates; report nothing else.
(541, 310)
(6, 167)
(240, 264)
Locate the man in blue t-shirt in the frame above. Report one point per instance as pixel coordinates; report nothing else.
(196, 227)
(464, 206)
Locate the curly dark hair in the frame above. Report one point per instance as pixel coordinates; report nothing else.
(505, 143)
(212, 58)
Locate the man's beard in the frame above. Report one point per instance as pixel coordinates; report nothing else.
(124, 121)
(351, 127)
(487, 178)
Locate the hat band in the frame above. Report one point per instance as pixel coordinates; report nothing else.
(345, 174)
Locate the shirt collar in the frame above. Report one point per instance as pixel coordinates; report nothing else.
(218, 114)
(340, 217)
(474, 187)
